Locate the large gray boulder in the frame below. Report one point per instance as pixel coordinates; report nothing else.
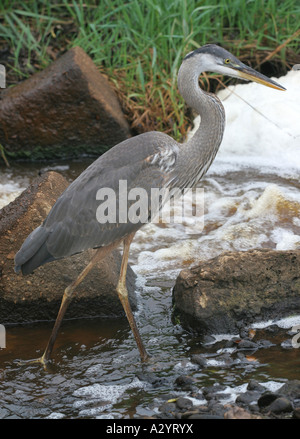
(238, 288)
(67, 110)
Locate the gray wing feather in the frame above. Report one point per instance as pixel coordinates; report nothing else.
(71, 226)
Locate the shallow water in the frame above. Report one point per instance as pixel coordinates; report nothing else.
(252, 200)
(97, 371)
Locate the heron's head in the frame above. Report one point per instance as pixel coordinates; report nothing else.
(213, 58)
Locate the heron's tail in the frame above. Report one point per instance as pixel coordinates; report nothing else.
(33, 252)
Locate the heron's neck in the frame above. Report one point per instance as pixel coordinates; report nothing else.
(197, 154)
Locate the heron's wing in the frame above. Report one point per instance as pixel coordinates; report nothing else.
(72, 223)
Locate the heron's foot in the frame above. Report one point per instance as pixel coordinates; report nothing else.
(41, 360)
(145, 358)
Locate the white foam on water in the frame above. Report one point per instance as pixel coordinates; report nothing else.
(221, 337)
(95, 370)
(272, 386)
(215, 363)
(288, 322)
(285, 239)
(10, 187)
(284, 323)
(262, 325)
(57, 168)
(234, 392)
(105, 395)
(226, 350)
(185, 366)
(56, 415)
(262, 126)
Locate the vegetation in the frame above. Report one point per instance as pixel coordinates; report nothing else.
(139, 44)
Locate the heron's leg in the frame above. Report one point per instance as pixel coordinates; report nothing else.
(123, 296)
(67, 297)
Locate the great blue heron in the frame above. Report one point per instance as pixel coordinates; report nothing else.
(149, 160)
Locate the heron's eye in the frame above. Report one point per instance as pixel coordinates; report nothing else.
(227, 61)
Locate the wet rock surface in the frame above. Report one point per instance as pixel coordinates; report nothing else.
(237, 288)
(38, 295)
(67, 110)
(252, 400)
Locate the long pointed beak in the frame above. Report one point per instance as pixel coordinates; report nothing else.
(250, 74)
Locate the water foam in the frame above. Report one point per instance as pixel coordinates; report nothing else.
(105, 396)
(284, 323)
(262, 126)
(10, 187)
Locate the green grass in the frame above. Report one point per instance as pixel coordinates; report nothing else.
(140, 44)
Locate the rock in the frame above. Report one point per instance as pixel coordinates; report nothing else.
(199, 359)
(287, 344)
(247, 345)
(217, 408)
(38, 295)
(189, 413)
(208, 339)
(67, 110)
(238, 287)
(184, 403)
(296, 413)
(291, 389)
(244, 333)
(265, 344)
(273, 329)
(254, 385)
(210, 393)
(239, 413)
(280, 405)
(185, 382)
(266, 399)
(248, 397)
(153, 379)
(168, 409)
